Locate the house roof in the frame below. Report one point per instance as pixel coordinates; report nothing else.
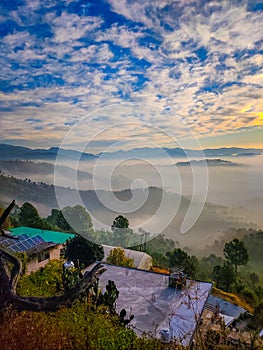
(46, 235)
(225, 307)
(27, 244)
(228, 320)
(40, 248)
(155, 305)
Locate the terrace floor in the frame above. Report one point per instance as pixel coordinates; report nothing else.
(155, 306)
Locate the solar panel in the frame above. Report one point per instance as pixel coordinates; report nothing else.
(31, 242)
(16, 247)
(23, 236)
(27, 244)
(24, 243)
(38, 239)
(7, 242)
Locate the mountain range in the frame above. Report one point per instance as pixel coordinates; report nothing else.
(8, 152)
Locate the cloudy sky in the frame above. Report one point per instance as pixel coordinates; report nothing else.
(143, 70)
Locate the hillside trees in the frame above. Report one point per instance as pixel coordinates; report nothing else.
(236, 253)
(29, 216)
(178, 258)
(224, 276)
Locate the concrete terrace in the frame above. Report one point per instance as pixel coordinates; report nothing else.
(155, 306)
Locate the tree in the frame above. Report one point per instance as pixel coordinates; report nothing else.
(78, 220)
(178, 258)
(82, 251)
(224, 276)
(57, 219)
(29, 216)
(117, 257)
(119, 222)
(254, 278)
(121, 231)
(236, 253)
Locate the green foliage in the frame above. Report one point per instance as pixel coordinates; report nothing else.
(82, 251)
(160, 245)
(250, 296)
(108, 299)
(236, 253)
(224, 276)
(29, 216)
(160, 260)
(70, 276)
(24, 259)
(120, 222)
(68, 329)
(207, 265)
(254, 242)
(122, 234)
(57, 220)
(77, 219)
(117, 257)
(254, 279)
(125, 321)
(179, 259)
(44, 282)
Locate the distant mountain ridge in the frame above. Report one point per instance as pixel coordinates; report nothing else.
(10, 152)
(28, 167)
(209, 162)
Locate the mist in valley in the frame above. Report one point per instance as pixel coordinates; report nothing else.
(234, 194)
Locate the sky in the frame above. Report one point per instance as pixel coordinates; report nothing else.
(131, 73)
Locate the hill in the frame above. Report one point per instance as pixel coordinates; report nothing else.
(29, 168)
(17, 152)
(208, 228)
(207, 162)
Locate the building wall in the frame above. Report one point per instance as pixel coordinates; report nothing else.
(35, 264)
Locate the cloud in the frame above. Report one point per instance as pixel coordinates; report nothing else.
(183, 65)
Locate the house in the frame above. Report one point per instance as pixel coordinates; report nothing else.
(159, 310)
(41, 246)
(141, 260)
(227, 311)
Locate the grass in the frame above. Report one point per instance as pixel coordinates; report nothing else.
(232, 298)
